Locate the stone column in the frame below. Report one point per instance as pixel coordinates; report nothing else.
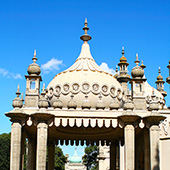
(129, 135)
(113, 156)
(121, 156)
(22, 150)
(154, 147)
(146, 149)
(51, 154)
(31, 154)
(42, 129)
(15, 156)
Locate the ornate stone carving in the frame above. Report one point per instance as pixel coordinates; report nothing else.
(75, 88)
(66, 88)
(96, 88)
(85, 87)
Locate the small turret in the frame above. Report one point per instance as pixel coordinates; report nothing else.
(137, 85)
(123, 77)
(168, 78)
(33, 83)
(160, 83)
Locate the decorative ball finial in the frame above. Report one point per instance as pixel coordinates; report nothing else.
(85, 37)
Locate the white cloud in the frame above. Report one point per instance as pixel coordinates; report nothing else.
(51, 65)
(106, 68)
(8, 74)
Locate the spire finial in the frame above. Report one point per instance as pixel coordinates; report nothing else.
(159, 71)
(18, 92)
(123, 51)
(116, 68)
(142, 65)
(137, 60)
(34, 58)
(85, 37)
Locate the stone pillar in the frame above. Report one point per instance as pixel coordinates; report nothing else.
(51, 154)
(31, 154)
(121, 156)
(154, 147)
(15, 156)
(146, 149)
(113, 156)
(42, 130)
(129, 135)
(22, 150)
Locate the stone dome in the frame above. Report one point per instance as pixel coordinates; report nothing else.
(34, 68)
(84, 79)
(137, 71)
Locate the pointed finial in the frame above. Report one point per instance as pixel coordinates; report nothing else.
(142, 65)
(22, 98)
(43, 90)
(137, 60)
(34, 58)
(18, 92)
(116, 68)
(123, 51)
(159, 71)
(85, 37)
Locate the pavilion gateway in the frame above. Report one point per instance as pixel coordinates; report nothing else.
(86, 105)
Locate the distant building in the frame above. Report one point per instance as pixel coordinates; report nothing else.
(74, 162)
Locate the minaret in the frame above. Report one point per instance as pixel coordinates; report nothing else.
(33, 83)
(137, 85)
(160, 83)
(123, 76)
(168, 78)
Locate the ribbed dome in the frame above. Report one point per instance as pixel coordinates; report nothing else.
(84, 77)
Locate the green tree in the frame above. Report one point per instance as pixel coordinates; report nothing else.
(90, 157)
(5, 151)
(60, 159)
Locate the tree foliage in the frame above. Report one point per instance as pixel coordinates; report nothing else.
(90, 157)
(60, 159)
(5, 151)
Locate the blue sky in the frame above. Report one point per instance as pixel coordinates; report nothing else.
(53, 28)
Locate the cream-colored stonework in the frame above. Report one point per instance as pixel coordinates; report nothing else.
(86, 105)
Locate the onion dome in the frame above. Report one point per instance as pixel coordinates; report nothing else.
(34, 68)
(115, 104)
(43, 103)
(137, 71)
(17, 102)
(84, 77)
(86, 103)
(142, 65)
(75, 158)
(58, 103)
(159, 76)
(100, 104)
(123, 76)
(168, 78)
(72, 104)
(123, 59)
